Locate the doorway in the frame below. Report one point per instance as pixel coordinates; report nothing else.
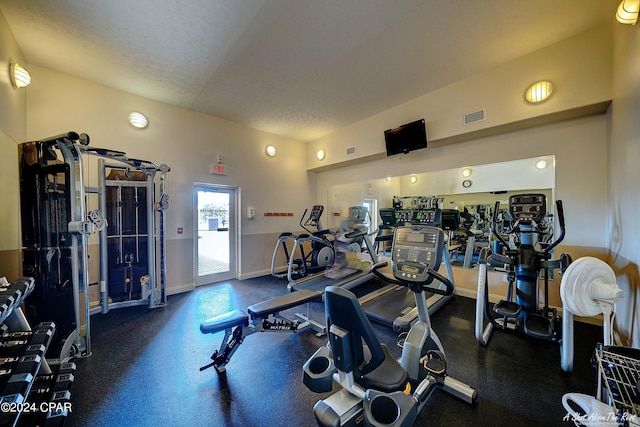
(215, 229)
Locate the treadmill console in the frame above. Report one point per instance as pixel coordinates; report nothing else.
(417, 216)
(532, 207)
(416, 249)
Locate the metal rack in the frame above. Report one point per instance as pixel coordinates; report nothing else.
(618, 381)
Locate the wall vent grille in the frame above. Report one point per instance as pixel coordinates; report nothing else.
(476, 116)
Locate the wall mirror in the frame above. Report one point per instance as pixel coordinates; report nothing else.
(471, 189)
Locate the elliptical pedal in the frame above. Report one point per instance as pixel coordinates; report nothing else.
(539, 326)
(507, 308)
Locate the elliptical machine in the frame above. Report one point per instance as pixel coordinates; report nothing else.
(376, 388)
(301, 262)
(523, 265)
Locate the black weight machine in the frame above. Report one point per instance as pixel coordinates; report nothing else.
(523, 261)
(57, 225)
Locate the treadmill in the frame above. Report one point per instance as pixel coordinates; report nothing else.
(394, 305)
(352, 234)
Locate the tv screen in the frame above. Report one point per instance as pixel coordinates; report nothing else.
(405, 138)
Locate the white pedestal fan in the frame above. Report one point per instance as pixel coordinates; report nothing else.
(588, 288)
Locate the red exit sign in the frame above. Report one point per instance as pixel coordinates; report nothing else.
(218, 169)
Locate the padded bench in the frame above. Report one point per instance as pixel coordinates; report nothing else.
(260, 310)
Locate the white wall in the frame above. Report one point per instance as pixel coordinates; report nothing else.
(13, 119)
(624, 160)
(188, 142)
(579, 68)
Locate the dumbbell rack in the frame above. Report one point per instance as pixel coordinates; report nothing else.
(31, 392)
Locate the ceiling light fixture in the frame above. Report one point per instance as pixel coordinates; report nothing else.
(539, 91)
(541, 164)
(321, 154)
(19, 76)
(270, 150)
(138, 120)
(627, 12)
(466, 172)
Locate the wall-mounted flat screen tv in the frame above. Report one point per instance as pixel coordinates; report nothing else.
(405, 138)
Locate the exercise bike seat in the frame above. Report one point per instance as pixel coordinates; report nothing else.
(372, 365)
(388, 377)
(224, 321)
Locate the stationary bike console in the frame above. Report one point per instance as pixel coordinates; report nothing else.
(417, 254)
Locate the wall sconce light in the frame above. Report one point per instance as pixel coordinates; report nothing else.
(270, 150)
(388, 179)
(321, 154)
(539, 91)
(541, 164)
(19, 76)
(628, 12)
(138, 120)
(413, 179)
(466, 172)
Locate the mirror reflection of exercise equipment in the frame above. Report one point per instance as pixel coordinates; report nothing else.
(56, 226)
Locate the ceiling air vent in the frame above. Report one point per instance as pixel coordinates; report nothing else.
(351, 150)
(476, 116)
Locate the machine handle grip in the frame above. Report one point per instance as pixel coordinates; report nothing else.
(560, 213)
(561, 221)
(446, 282)
(495, 225)
(375, 270)
(73, 136)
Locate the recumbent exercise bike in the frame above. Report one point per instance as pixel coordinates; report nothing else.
(376, 388)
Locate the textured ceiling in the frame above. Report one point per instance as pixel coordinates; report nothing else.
(297, 68)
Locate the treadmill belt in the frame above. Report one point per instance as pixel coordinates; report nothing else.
(318, 282)
(386, 308)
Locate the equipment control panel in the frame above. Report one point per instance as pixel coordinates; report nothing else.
(528, 207)
(416, 249)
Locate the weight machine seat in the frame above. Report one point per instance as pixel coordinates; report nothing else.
(224, 321)
(379, 371)
(283, 302)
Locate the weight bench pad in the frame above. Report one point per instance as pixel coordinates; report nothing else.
(224, 321)
(283, 302)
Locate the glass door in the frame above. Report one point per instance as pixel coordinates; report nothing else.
(215, 231)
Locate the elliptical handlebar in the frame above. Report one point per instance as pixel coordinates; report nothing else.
(562, 227)
(304, 214)
(494, 227)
